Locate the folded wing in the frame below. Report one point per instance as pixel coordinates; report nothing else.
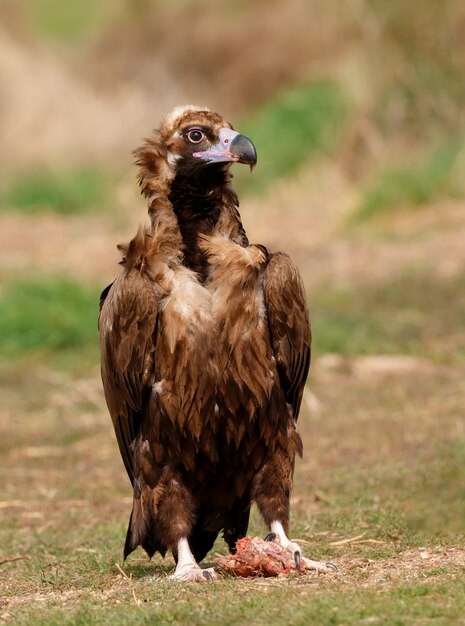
(127, 323)
(288, 319)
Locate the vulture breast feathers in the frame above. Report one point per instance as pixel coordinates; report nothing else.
(205, 349)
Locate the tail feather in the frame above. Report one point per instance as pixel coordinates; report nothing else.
(142, 532)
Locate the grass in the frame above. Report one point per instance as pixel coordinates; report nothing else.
(416, 314)
(397, 607)
(442, 478)
(413, 184)
(393, 499)
(48, 315)
(300, 123)
(67, 508)
(66, 192)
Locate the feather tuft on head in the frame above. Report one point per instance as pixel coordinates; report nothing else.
(180, 110)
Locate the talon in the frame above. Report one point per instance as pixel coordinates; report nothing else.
(270, 537)
(332, 566)
(208, 576)
(297, 560)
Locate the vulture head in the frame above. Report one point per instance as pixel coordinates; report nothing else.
(191, 141)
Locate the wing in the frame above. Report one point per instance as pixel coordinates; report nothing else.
(288, 319)
(127, 322)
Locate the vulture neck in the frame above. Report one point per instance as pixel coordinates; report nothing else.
(199, 197)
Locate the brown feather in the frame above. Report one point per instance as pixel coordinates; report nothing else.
(288, 320)
(127, 322)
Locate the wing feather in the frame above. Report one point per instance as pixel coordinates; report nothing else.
(128, 317)
(288, 320)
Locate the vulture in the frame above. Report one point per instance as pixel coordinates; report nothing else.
(205, 350)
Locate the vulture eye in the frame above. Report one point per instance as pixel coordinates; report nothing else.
(195, 135)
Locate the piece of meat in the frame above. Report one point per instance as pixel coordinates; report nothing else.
(257, 557)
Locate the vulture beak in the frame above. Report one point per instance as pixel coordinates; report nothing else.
(231, 147)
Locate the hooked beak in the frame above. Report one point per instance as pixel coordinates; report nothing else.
(231, 148)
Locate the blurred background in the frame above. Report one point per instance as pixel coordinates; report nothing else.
(356, 108)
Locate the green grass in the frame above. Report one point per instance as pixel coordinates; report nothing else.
(48, 315)
(415, 315)
(414, 184)
(300, 123)
(438, 604)
(442, 479)
(65, 192)
(418, 502)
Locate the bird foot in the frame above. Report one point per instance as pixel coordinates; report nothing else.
(187, 568)
(279, 535)
(318, 566)
(192, 572)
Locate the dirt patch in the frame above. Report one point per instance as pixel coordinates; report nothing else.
(423, 564)
(63, 597)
